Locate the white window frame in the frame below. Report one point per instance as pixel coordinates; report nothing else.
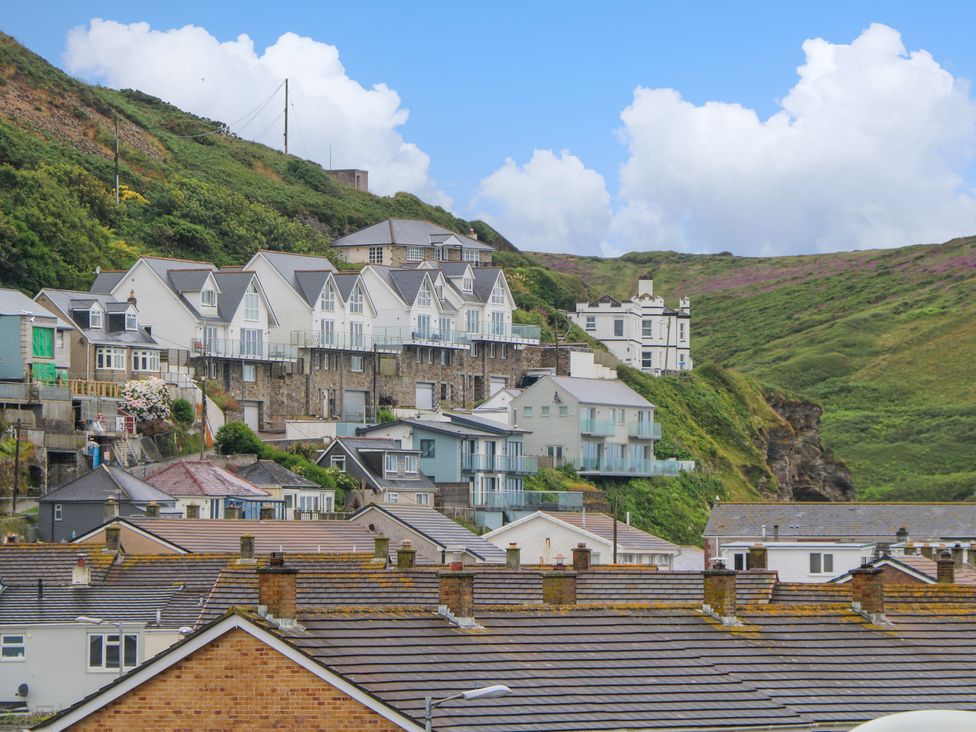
(338, 462)
(471, 256)
(618, 332)
(208, 297)
(145, 360)
(327, 299)
(467, 284)
(423, 499)
(392, 498)
(106, 643)
(822, 560)
(252, 342)
(526, 411)
(414, 254)
(58, 512)
(251, 310)
(472, 320)
(590, 324)
(209, 338)
(110, 358)
(390, 463)
(95, 317)
(545, 410)
(424, 297)
(647, 360)
(682, 331)
(410, 464)
(249, 372)
(356, 362)
(375, 255)
(356, 299)
(328, 332)
(131, 321)
(13, 642)
(498, 323)
(498, 294)
(647, 328)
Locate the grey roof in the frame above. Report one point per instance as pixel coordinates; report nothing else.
(232, 285)
(451, 269)
(310, 284)
(14, 302)
(23, 605)
(107, 280)
(445, 532)
(25, 564)
(447, 428)
(489, 425)
(345, 281)
(189, 280)
(610, 392)
(288, 265)
(844, 521)
(68, 300)
(355, 446)
(406, 232)
(404, 282)
(167, 269)
(268, 472)
(106, 482)
(629, 538)
(484, 281)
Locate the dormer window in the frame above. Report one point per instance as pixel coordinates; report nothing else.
(95, 317)
(423, 297)
(440, 291)
(131, 321)
(498, 294)
(356, 299)
(391, 463)
(327, 300)
(251, 302)
(467, 284)
(209, 298)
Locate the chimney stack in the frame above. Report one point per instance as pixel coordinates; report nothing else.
(406, 555)
(957, 555)
(775, 532)
(645, 285)
(278, 591)
(232, 512)
(132, 297)
(910, 548)
(867, 592)
(513, 556)
(758, 557)
(112, 538)
(193, 510)
(719, 592)
(110, 509)
(381, 547)
(971, 554)
(267, 513)
(81, 573)
(456, 596)
(152, 509)
(928, 550)
(901, 536)
(581, 557)
(559, 587)
(945, 568)
(247, 548)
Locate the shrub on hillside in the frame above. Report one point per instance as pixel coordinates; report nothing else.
(182, 412)
(145, 399)
(235, 438)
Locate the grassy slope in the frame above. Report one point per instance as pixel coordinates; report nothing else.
(884, 339)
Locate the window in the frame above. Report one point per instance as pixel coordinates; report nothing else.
(445, 328)
(470, 255)
(356, 364)
(214, 370)
(590, 323)
(563, 410)
(250, 372)
(498, 293)
(415, 254)
(423, 326)
(376, 255)
(145, 361)
(103, 651)
(441, 254)
(467, 284)
(423, 296)
(356, 335)
(392, 497)
(43, 342)
(504, 350)
(427, 449)
(474, 349)
(740, 561)
(681, 361)
(445, 392)
(95, 317)
(821, 563)
(12, 648)
(251, 302)
(420, 355)
(423, 499)
(328, 333)
(356, 299)
(327, 299)
(647, 360)
(491, 350)
(131, 321)
(208, 297)
(209, 338)
(439, 289)
(107, 357)
(681, 330)
(526, 411)
(472, 321)
(618, 327)
(338, 462)
(545, 411)
(251, 342)
(555, 453)
(391, 463)
(430, 355)
(445, 357)
(620, 416)
(58, 511)
(410, 463)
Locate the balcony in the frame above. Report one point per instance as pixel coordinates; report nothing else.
(528, 500)
(645, 430)
(597, 427)
(632, 468)
(100, 389)
(237, 349)
(395, 338)
(515, 333)
(478, 463)
(334, 340)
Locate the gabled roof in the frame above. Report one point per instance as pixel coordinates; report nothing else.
(609, 392)
(310, 283)
(404, 283)
(189, 280)
(484, 281)
(165, 269)
(406, 232)
(13, 302)
(194, 478)
(105, 482)
(288, 264)
(922, 568)
(355, 446)
(107, 280)
(114, 604)
(446, 533)
(25, 564)
(345, 281)
(485, 424)
(270, 473)
(233, 284)
(432, 425)
(71, 300)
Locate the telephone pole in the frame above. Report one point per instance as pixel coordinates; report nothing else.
(203, 399)
(286, 116)
(13, 499)
(116, 157)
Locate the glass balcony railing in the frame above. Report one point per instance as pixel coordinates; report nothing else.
(645, 430)
(394, 338)
(515, 333)
(599, 427)
(636, 468)
(248, 351)
(340, 341)
(528, 500)
(500, 463)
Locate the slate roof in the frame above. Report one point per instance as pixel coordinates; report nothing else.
(405, 232)
(23, 605)
(843, 521)
(194, 478)
(353, 445)
(405, 283)
(68, 300)
(488, 425)
(441, 530)
(629, 538)
(310, 284)
(269, 473)
(189, 280)
(233, 285)
(223, 536)
(25, 564)
(345, 281)
(433, 425)
(107, 280)
(289, 265)
(916, 565)
(484, 281)
(106, 482)
(610, 392)
(13, 302)
(183, 275)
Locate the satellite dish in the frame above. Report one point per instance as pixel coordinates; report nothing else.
(943, 720)
(23, 690)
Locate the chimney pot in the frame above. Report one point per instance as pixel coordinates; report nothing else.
(559, 587)
(946, 568)
(278, 590)
(112, 538)
(775, 532)
(581, 557)
(132, 297)
(867, 592)
(277, 559)
(247, 547)
(758, 557)
(152, 509)
(406, 555)
(560, 561)
(719, 592)
(456, 594)
(381, 547)
(901, 535)
(513, 556)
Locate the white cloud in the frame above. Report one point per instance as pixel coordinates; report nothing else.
(552, 203)
(869, 149)
(225, 80)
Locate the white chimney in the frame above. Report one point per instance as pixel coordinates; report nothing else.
(645, 286)
(81, 573)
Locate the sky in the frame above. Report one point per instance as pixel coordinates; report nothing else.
(757, 128)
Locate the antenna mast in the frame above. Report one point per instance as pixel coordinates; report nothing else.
(286, 116)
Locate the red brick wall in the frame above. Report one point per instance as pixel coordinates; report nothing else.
(235, 683)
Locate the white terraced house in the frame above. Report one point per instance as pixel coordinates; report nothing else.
(642, 332)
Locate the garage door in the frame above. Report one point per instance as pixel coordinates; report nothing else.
(495, 385)
(425, 395)
(354, 406)
(252, 415)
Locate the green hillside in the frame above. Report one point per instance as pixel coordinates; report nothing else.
(884, 339)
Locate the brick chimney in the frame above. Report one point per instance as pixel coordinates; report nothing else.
(456, 596)
(81, 573)
(945, 568)
(232, 512)
(152, 509)
(513, 556)
(247, 548)
(113, 538)
(559, 587)
(406, 555)
(867, 592)
(278, 591)
(110, 509)
(267, 513)
(719, 592)
(581, 557)
(193, 510)
(381, 547)
(927, 550)
(758, 557)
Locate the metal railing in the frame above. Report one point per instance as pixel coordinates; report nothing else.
(599, 427)
(245, 350)
(501, 463)
(538, 500)
(645, 430)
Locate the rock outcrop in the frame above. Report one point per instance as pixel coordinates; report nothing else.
(804, 470)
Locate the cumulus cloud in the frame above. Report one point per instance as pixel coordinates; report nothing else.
(868, 149)
(225, 80)
(553, 203)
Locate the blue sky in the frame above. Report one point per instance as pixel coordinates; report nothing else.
(491, 82)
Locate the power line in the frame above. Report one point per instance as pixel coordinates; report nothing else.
(273, 123)
(253, 114)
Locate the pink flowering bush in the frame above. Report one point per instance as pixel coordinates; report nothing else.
(146, 399)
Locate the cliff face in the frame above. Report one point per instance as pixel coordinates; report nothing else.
(796, 456)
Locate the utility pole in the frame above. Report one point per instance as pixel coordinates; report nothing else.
(286, 116)
(116, 157)
(614, 530)
(203, 401)
(13, 499)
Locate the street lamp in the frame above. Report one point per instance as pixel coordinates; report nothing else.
(487, 692)
(118, 627)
